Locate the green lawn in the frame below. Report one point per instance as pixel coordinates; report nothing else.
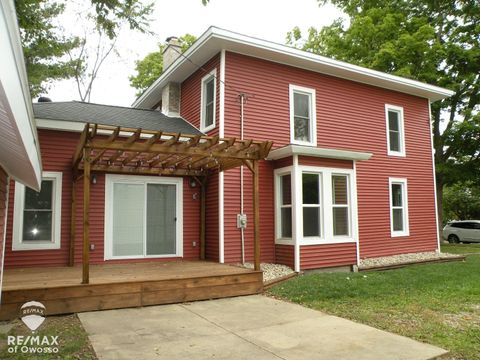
(72, 338)
(461, 248)
(436, 303)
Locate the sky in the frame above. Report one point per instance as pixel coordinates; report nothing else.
(266, 19)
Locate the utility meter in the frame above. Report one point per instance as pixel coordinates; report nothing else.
(241, 221)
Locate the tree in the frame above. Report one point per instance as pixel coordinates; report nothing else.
(435, 41)
(151, 66)
(461, 202)
(46, 48)
(43, 47)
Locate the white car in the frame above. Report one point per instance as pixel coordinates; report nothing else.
(462, 231)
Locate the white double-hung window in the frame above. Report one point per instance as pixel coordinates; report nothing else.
(398, 207)
(395, 130)
(37, 215)
(302, 116)
(208, 101)
(284, 206)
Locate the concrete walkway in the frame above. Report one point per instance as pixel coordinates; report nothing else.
(250, 327)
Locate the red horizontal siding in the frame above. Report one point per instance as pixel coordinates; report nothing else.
(57, 149)
(285, 254)
(191, 94)
(325, 162)
(232, 237)
(329, 255)
(211, 212)
(280, 163)
(350, 116)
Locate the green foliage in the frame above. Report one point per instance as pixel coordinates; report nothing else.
(111, 13)
(43, 47)
(436, 303)
(151, 66)
(437, 42)
(46, 48)
(461, 201)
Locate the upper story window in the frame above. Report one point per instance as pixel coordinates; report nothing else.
(302, 116)
(37, 215)
(208, 101)
(398, 207)
(395, 130)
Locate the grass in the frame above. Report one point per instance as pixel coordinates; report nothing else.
(72, 338)
(461, 248)
(435, 303)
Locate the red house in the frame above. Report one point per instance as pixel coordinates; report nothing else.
(350, 174)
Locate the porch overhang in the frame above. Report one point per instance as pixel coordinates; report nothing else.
(115, 149)
(291, 150)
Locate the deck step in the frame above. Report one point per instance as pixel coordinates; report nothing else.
(91, 297)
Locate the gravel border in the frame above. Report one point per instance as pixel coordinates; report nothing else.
(405, 259)
(271, 271)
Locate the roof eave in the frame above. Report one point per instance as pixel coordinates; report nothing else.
(290, 56)
(291, 150)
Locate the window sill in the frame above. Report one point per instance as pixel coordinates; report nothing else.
(397, 154)
(400, 234)
(29, 247)
(339, 240)
(303, 143)
(143, 257)
(284, 242)
(208, 128)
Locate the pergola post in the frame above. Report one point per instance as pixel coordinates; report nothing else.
(202, 218)
(256, 215)
(72, 221)
(86, 217)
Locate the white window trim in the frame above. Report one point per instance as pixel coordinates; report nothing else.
(129, 179)
(313, 113)
(326, 211)
(19, 201)
(348, 206)
(328, 237)
(207, 77)
(401, 124)
(320, 205)
(403, 182)
(278, 173)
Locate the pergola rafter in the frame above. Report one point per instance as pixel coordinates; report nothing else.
(112, 149)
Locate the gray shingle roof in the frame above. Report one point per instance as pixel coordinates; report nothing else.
(112, 115)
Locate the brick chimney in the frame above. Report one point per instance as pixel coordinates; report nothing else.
(172, 51)
(171, 91)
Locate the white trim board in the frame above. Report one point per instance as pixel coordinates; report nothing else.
(18, 211)
(214, 40)
(290, 150)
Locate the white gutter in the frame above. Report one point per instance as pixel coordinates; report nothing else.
(215, 40)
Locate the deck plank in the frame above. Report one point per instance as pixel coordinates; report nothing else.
(115, 286)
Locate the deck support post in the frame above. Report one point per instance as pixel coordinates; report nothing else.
(72, 223)
(203, 199)
(86, 217)
(256, 215)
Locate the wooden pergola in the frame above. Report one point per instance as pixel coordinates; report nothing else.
(121, 150)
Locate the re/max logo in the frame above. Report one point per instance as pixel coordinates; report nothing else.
(32, 340)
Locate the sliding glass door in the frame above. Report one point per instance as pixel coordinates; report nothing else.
(142, 217)
(161, 219)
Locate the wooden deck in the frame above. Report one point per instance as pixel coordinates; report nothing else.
(115, 286)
